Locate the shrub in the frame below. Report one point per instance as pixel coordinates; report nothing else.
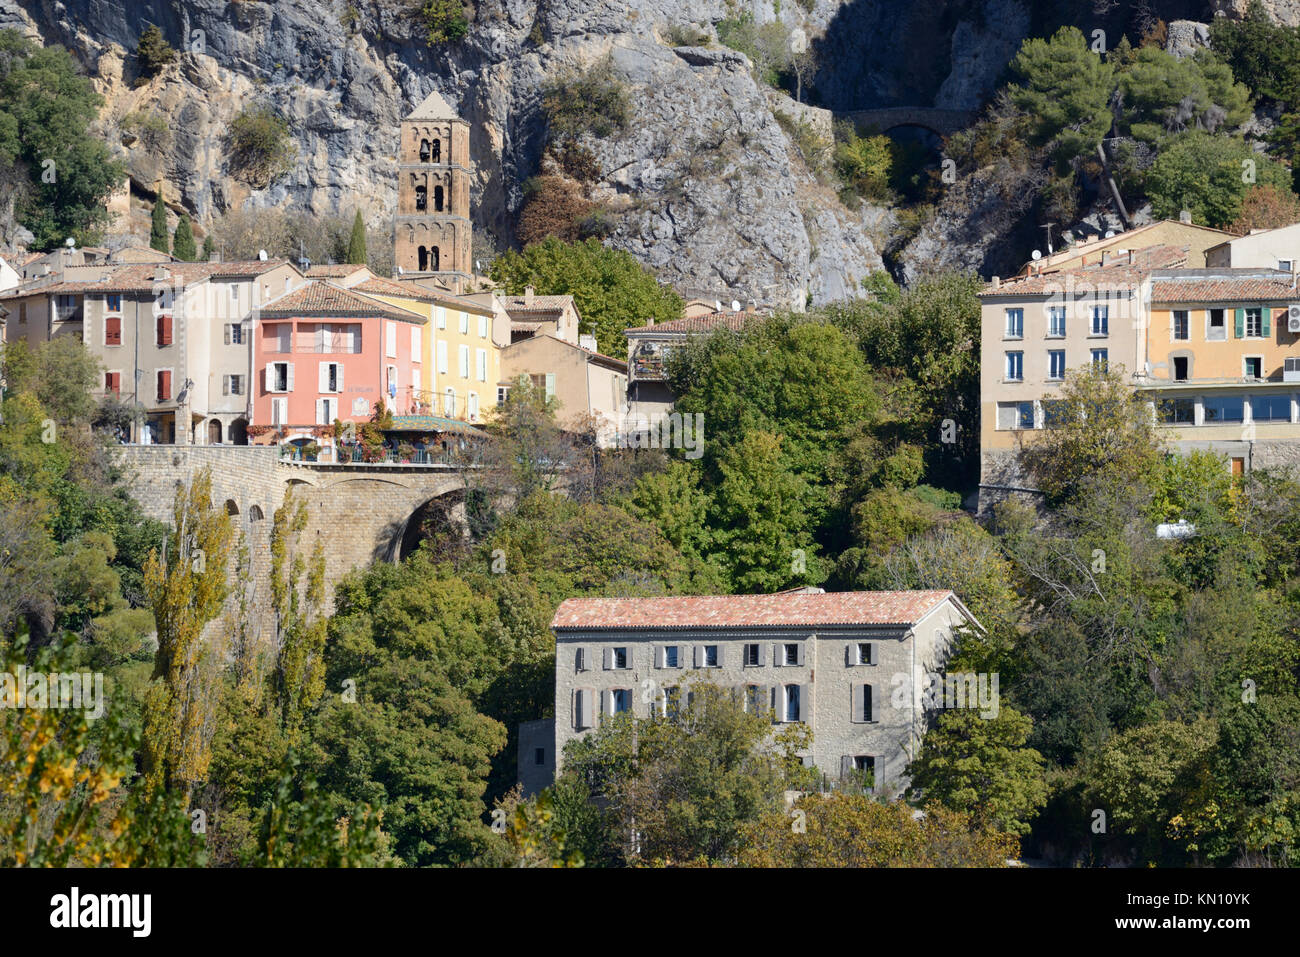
(593, 101)
(152, 130)
(1210, 176)
(153, 52)
(863, 163)
(814, 148)
(258, 146)
(444, 21)
(554, 207)
(767, 46)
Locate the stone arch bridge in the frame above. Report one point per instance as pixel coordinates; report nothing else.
(935, 119)
(359, 513)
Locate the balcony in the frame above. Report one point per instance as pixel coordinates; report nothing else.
(649, 368)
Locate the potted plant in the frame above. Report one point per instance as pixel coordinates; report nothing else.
(405, 450)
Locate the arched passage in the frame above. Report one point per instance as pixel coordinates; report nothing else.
(439, 521)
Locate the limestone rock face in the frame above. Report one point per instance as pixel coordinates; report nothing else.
(1280, 11)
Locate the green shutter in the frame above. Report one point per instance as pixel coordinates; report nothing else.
(1265, 327)
(1241, 323)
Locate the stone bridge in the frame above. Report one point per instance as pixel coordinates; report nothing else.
(360, 513)
(936, 120)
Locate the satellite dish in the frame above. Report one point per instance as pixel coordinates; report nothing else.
(69, 242)
(261, 254)
(478, 265)
(401, 271)
(1036, 255)
(1110, 234)
(735, 305)
(717, 305)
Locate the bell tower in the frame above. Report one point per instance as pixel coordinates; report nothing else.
(431, 235)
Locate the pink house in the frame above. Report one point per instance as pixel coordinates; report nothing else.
(324, 352)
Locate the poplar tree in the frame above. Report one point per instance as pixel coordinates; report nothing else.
(158, 232)
(357, 242)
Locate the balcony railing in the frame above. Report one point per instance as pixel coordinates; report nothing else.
(648, 367)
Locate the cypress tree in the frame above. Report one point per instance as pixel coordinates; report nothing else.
(357, 242)
(209, 247)
(183, 240)
(158, 234)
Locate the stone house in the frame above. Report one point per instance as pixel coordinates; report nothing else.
(853, 666)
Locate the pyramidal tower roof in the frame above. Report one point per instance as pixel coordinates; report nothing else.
(434, 107)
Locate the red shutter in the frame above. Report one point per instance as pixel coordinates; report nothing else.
(113, 382)
(164, 385)
(113, 331)
(164, 330)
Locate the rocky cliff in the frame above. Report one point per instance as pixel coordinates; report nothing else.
(707, 186)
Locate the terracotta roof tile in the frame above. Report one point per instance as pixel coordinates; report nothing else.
(320, 297)
(139, 277)
(539, 303)
(1117, 275)
(334, 270)
(378, 286)
(735, 321)
(739, 611)
(1222, 288)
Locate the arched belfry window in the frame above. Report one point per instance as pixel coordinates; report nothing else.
(424, 151)
(433, 258)
(437, 198)
(437, 152)
(423, 254)
(422, 197)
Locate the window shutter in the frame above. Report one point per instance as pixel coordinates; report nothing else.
(608, 659)
(164, 384)
(227, 330)
(1266, 326)
(577, 708)
(846, 765)
(722, 654)
(167, 330)
(270, 377)
(762, 654)
(799, 654)
(659, 656)
(225, 385)
(338, 379)
(289, 377)
(806, 703)
(778, 658)
(873, 704)
(699, 655)
(1241, 323)
(606, 705)
(580, 659)
(775, 695)
(550, 384)
(323, 378)
(856, 703)
(588, 707)
(320, 411)
(113, 331)
(850, 655)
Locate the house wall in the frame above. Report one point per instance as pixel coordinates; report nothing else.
(1265, 249)
(1217, 359)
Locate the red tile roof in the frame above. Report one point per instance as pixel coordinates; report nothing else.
(539, 303)
(735, 321)
(1117, 275)
(1223, 288)
(378, 286)
(139, 277)
(739, 611)
(320, 297)
(333, 270)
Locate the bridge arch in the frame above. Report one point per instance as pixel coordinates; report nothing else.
(444, 512)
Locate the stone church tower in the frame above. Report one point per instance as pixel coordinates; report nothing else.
(432, 230)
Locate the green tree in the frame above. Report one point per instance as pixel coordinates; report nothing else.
(1066, 88)
(444, 22)
(258, 146)
(297, 599)
(611, 290)
(978, 764)
(592, 101)
(357, 241)
(209, 247)
(1164, 95)
(153, 52)
(1210, 176)
(158, 229)
(186, 584)
(183, 240)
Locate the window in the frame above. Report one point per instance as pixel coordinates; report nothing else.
(1056, 364)
(22, 312)
(753, 698)
(1224, 408)
(1054, 413)
(164, 330)
(503, 392)
(326, 411)
(1253, 367)
(234, 334)
(539, 756)
(1015, 366)
(164, 385)
(1180, 368)
(279, 377)
(391, 340)
(584, 711)
(234, 293)
(442, 357)
(864, 653)
(751, 655)
(1055, 321)
(1015, 323)
(279, 411)
(865, 766)
(1181, 324)
(1176, 411)
(862, 703)
(482, 327)
(390, 380)
(415, 381)
(463, 354)
(791, 702)
(113, 331)
(65, 307)
(579, 659)
(1216, 329)
(232, 385)
(480, 359)
(1100, 358)
(620, 700)
(113, 382)
(440, 313)
(1254, 323)
(449, 402)
(670, 656)
(1015, 415)
(1100, 316)
(331, 377)
(113, 302)
(417, 343)
(1270, 408)
(464, 323)
(618, 658)
(710, 656)
(1284, 265)
(790, 654)
(672, 701)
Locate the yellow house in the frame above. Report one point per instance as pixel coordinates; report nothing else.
(461, 347)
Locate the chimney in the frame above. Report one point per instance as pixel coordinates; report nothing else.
(1185, 217)
(1132, 256)
(529, 292)
(161, 274)
(997, 282)
(214, 257)
(650, 322)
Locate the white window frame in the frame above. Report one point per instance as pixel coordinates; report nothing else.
(1099, 321)
(1052, 374)
(1015, 323)
(1055, 317)
(1018, 362)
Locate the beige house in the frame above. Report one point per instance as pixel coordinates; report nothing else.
(585, 383)
(1165, 232)
(534, 315)
(859, 668)
(1261, 248)
(648, 350)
